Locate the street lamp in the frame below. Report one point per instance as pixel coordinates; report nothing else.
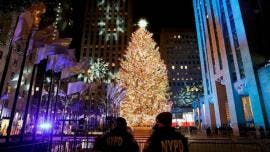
(45, 126)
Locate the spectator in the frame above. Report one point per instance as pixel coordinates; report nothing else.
(165, 138)
(117, 140)
(208, 131)
(262, 133)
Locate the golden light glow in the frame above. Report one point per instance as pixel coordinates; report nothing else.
(144, 75)
(37, 10)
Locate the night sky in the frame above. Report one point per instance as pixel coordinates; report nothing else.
(162, 14)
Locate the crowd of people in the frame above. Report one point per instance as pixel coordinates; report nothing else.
(164, 138)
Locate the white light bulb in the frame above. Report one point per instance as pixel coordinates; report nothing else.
(142, 23)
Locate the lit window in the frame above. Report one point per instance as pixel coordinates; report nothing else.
(181, 67)
(173, 67)
(178, 36)
(185, 67)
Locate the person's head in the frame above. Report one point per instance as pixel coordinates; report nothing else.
(164, 119)
(121, 122)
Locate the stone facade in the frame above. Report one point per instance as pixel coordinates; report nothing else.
(228, 73)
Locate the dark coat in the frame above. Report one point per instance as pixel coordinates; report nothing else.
(166, 139)
(117, 140)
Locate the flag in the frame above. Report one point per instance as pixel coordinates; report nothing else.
(75, 87)
(4, 96)
(69, 72)
(53, 49)
(23, 27)
(40, 54)
(58, 62)
(71, 53)
(40, 38)
(49, 50)
(61, 93)
(65, 42)
(78, 68)
(44, 92)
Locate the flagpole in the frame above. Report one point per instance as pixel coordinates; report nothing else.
(64, 120)
(54, 111)
(27, 103)
(17, 89)
(43, 66)
(4, 74)
(49, 96)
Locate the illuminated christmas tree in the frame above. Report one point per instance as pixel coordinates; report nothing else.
(144, 75)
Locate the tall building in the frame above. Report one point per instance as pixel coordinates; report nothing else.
(229, 59)
(56, 15)
(179, 50)
(106, 31)
(8, 81)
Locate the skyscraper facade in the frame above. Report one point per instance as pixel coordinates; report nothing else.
(106, 30)
(232, 95)
(179, 50)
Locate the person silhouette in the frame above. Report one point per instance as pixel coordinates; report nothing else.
(165, 138)
(119, 139)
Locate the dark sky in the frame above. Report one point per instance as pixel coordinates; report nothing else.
(164, 13)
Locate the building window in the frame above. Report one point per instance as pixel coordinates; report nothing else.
(216, 37)
(15, 62)
(84, 53)
(12, 75)
(1, 54)
(227, 43)
(236, 42)
(247, 109)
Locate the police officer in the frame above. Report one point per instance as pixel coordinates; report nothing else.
(117, 140)
(165, 138)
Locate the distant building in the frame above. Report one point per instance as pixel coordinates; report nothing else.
(231, 40)
(180, 52)
(106, 30)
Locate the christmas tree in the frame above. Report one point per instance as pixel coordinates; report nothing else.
(144, 75)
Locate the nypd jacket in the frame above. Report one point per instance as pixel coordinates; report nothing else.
(166, 139)
(118, 140)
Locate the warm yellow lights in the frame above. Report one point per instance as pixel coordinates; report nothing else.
(37, 10)
(144, 75)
